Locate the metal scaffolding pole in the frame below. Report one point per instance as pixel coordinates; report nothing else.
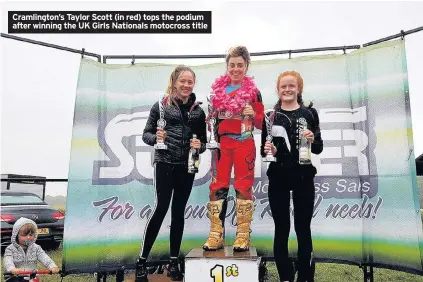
(82, 51)
(267, 53)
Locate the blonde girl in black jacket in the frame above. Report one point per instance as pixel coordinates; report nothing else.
(184, 117)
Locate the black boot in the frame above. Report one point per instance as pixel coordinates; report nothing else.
(141, 271)
(173, 271)
(306, 273)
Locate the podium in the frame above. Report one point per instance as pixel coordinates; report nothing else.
(222, 265)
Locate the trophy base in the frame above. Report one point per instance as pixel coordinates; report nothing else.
(304, 161)
(212, 145)
(269, 158)
(160, 146)
(192, 170)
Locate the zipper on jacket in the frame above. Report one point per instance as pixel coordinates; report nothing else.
(183, 129)
(25, 262)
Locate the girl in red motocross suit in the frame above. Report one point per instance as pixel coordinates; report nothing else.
(239, 108)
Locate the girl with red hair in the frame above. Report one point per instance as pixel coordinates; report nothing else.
(292, 120)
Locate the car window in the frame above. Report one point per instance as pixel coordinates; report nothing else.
(20, 199)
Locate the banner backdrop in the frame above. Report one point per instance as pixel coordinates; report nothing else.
(366, 208)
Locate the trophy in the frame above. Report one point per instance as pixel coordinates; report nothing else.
(193, 158)
(305, 145)
(247, 122)
(212, 144)
(161, 123)
(269, 117)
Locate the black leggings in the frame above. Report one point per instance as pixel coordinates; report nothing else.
(169, 179)
(299, 180)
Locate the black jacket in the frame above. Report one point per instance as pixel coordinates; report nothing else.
(182, 122)
(283, 155)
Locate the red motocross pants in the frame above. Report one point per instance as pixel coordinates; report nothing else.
(242, 155)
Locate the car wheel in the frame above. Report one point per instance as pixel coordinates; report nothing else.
(54, 244)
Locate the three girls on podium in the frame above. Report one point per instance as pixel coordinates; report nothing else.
(237, 109)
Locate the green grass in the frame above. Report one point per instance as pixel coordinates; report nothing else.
(349, 249)
(325, 272)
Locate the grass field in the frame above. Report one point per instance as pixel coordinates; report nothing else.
(325, 272)
(347, 248)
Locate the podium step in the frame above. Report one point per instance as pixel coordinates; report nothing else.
(226, 252)
(222, 265)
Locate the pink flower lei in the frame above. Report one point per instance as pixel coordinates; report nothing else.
(235, 104)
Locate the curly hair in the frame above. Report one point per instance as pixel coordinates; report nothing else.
(239, 51)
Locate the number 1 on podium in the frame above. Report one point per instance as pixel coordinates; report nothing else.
(217, 273)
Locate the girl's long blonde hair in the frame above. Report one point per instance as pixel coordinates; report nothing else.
(172, 79)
